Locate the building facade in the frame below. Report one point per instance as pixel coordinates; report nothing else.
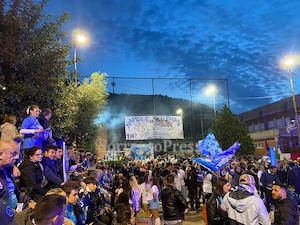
(270, 125)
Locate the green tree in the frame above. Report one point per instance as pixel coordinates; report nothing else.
(66, 108)
(78, 109)
(228, 128)
(34, 58)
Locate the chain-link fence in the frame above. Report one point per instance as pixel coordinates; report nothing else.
(164, 96)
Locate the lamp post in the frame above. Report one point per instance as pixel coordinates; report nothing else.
(289, 62)
(80, 38)
(212, 90)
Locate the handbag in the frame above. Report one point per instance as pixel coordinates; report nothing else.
(143, 217)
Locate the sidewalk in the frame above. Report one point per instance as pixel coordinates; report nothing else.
(193, 218)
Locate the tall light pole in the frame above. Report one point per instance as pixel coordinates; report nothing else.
(80, 38)
(212, 91)
(289, 62)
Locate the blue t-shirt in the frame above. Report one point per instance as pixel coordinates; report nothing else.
(31, 140)
(200, 176)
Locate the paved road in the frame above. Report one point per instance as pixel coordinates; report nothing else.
(193, 218)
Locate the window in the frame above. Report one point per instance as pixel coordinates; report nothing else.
(250, 128)
(280, 122)
(257, 127)
(271, 124)
(258, 145)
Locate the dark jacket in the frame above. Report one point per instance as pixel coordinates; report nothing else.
(282, 175)
(235, 179)
(51, 172)
(173, 203)
(286, 213)
(96, 203)
(32, 177)
(191, 179)
(43, 121)
(293, 178)
(59, 166)
(214, 215)
(267, 179)
(80, 209)
(6, 213)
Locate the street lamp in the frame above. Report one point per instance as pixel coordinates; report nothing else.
(80, 38)
(179, 111)
(290, 62)
(212, 90)
(2, 87)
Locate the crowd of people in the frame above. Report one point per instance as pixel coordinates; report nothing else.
(34, 188)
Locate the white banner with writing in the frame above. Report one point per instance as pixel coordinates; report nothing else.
(153, 127)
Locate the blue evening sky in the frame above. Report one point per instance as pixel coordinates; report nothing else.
(240, 40)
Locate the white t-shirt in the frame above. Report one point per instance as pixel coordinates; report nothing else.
(207, 184)
(177, 182)
(147, 192)
(145, 188)
(181, 175)
(153, 191)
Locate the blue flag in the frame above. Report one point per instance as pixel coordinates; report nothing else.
(273, 158)
(209, 146)
(220, 160)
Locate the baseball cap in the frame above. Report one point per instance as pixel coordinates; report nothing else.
(246, 179)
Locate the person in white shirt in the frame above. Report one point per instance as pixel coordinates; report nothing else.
(150, 193)
(177, 180)
(153, 200)
(207, 186)
(145, 188)
(181, 175)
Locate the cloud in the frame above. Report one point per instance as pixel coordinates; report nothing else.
(240, 42)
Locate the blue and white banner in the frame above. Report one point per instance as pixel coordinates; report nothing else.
(209, 146)
(142, 151)
(219, 160)
(153, 127)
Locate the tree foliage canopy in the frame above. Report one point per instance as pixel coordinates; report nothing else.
(34, 58)
(228, 128)
(79, 109)
(34, 68)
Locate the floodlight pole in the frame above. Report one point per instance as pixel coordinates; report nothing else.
(294, 104)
